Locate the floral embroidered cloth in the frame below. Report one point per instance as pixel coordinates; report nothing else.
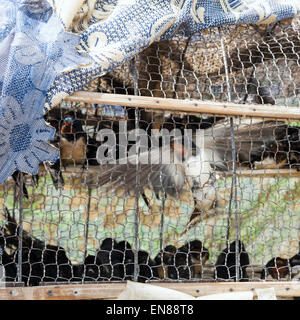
(41, 62)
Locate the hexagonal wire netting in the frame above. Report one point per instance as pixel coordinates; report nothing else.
(196, 220)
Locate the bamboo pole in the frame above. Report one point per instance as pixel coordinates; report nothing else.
(265, 173)
(191, 106)
(96, 170)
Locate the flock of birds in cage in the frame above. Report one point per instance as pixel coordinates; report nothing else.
(259, 143)
(271, 142)
(115, 261)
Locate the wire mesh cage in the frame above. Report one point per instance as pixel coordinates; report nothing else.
(222, 207)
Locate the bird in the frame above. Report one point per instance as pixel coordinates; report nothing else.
(226, 266)
(88, 271)
(41, 262)
(165, 263)
(196, 254)
(145, 270)
(113, 257)
(197, 162)
(166, 179)
(76, 148)
(277, 267)
(7, 261)
(185, 262)
(295, 266)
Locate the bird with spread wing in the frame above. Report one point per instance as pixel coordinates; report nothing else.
(256, 142)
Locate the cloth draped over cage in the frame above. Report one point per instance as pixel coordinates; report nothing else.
(44, 55)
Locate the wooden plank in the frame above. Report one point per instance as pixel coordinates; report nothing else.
(192, 106)
(283, 289)
(265, 173)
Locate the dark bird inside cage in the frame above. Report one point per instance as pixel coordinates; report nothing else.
(295, 266)
(295, 260)
(278, 268)
(145, 267)
(185, 262)
(41, 262)
(113, 257)
(7, 262)
(165, 263)
(226, 264)
(114, 261)
(89, 270)
(196, 255)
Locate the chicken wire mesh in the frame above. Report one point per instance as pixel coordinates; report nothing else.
(81, 220)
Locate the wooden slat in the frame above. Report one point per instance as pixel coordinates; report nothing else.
(276, 173)
(112, 290)
(192, 106)
(267, 173)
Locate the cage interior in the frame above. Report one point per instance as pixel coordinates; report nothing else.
(235, 219)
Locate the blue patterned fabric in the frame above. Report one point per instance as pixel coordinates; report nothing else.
(34, 49)
(40, 63)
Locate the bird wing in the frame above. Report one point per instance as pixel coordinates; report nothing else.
(151, 170)
(250, 136)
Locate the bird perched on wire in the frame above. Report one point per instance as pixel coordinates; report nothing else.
(76, 148)
(169, 168)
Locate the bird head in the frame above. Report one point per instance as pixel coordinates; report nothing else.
(71, 126)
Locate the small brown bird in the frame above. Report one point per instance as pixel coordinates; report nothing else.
(277, 267)
(185, 262)
(76, 148)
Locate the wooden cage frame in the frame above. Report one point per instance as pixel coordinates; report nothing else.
(110, 291)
